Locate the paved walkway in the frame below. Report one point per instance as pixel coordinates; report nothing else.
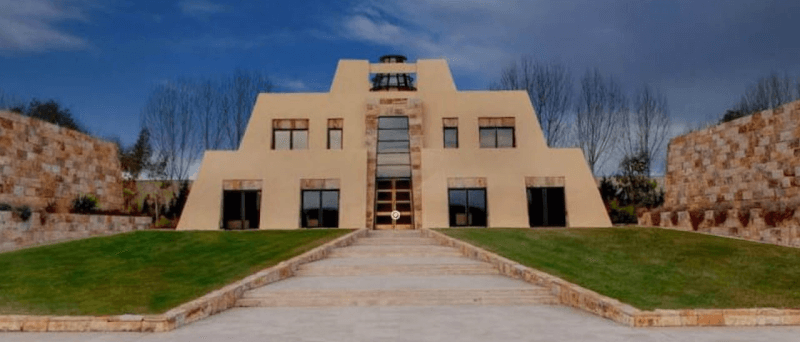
(402, 287)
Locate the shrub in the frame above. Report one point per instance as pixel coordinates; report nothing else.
(774, 217)
(696, 216)
(5, 207)
(655, 217)
(51, 207)
(84, 204)
(674, 218)
(744, 217)
(24, 212)
(720, 216)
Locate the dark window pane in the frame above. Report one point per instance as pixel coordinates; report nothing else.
(330, 209)
(252, 208)
(556, 211)
(384, 207)
(403, 195)
(299, 139)
(403, 207)
(384, 196)
(476, 200)
(393, 122)
(536, 214)
(458, 208)
(403, 184)
(311, 209)
(394, 159)
(401, 171)
(383, 219)
(404, 219)
(384, 135)
(335, 139)
(488, 138)
(231, 208)
(450, 137)
(393, 146)
(384, 185)
(282, 140)
(505, 137)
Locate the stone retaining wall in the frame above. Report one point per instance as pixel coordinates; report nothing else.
(41, 163)
(744, 224)
(580, 298)
(44, 228)
(744, 163)
(210, 304)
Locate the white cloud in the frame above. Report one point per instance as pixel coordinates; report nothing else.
(29, 25)
(200, 8)
(472, 35)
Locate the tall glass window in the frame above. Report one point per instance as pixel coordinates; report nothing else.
(241, 209)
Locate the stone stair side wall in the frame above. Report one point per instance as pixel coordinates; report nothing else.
(44, 228)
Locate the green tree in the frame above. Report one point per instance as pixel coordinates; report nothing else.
(52, 112)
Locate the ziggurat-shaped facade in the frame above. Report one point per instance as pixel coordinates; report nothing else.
(381, 151)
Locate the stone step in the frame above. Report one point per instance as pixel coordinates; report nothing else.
(394, 233)
(393, 251)
(417, 297)
(395, 241)
(313, 270)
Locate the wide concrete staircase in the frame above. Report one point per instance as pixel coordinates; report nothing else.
(396, 269)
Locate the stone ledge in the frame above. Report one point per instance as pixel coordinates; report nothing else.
(578, 297)
(212, 303)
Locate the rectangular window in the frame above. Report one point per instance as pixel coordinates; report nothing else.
(320, 209)
(241, 209)
(450, 132)
(467, 207)
(335, 134)
(497, 132)
(547, 207)
(290, 134)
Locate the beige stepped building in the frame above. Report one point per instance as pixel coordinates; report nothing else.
(393, 145)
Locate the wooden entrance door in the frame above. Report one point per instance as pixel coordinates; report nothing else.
(393, 194)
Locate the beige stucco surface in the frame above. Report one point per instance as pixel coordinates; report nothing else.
(504, 169)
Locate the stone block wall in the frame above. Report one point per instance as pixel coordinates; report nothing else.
(43, 228)
(41, 162)
(750, 162)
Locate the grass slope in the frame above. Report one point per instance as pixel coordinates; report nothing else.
(653, 268)
(144, 272)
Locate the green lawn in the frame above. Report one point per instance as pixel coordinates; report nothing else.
(653, 268)
(144, 272)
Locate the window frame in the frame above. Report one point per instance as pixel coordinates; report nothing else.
(341, 138)
(242, 208)
(467, 206)
(291, 138)
(496, 129)
(444, 136)
(304, 222)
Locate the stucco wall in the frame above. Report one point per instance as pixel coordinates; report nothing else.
(43, 228)
(41, 162)
(751, 161)
(505, 170)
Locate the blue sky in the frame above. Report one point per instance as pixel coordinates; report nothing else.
(101, 57)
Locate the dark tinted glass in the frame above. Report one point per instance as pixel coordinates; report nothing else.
(536, 207)
(231, 206)
(398, 122)
(330, 209)
(458, 208)
(393, 146)
(252, 208)
(450, 137)
(556, 211)
(547, 207)
(476, 200)
(384, 135)
(310, 215)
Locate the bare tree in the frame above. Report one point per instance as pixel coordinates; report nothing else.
(767, 93)
(549, 87)
(646, 127)
(210, 119)
(10, 102)
(601, 109)
(241, 93)
(169, 118)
